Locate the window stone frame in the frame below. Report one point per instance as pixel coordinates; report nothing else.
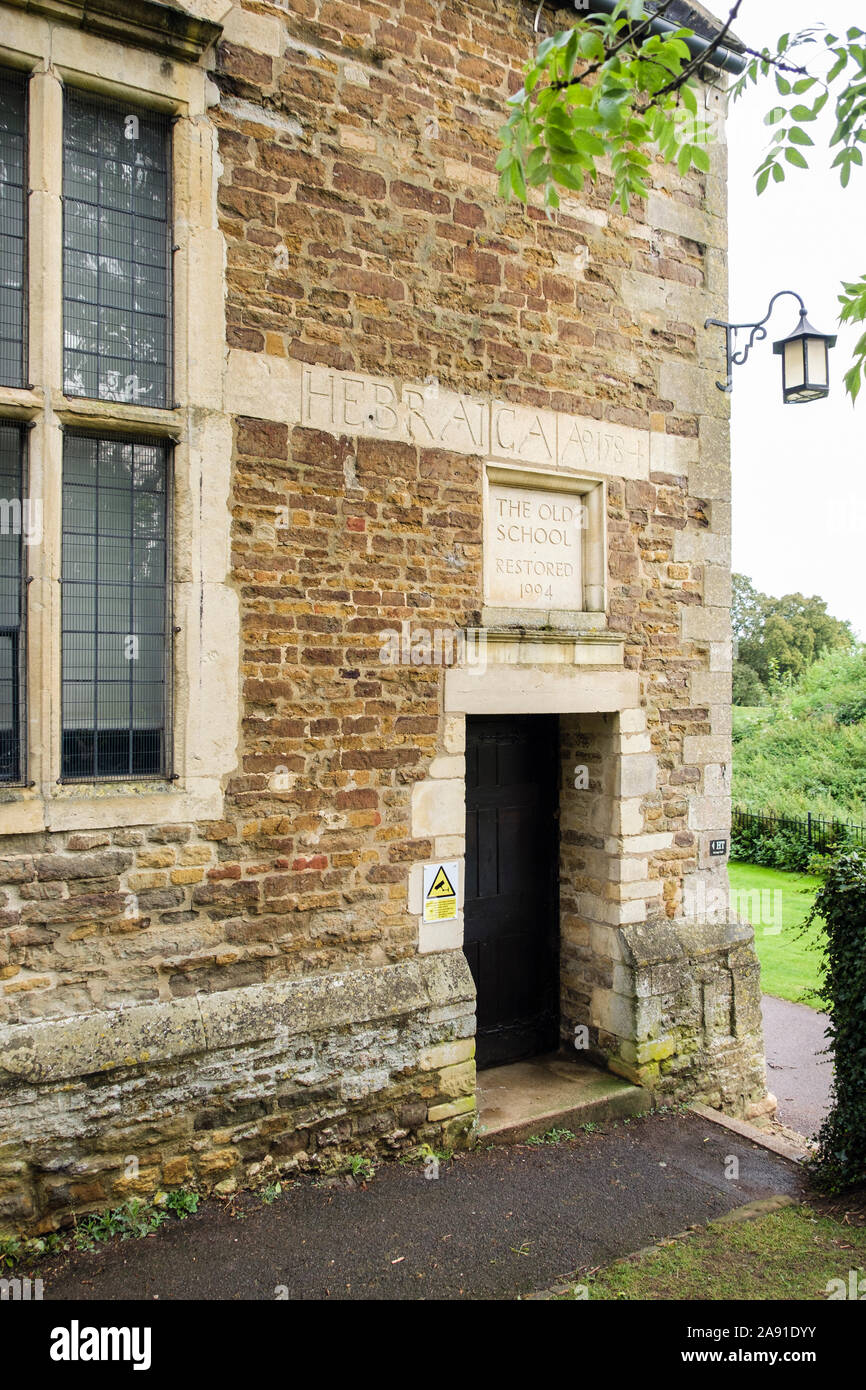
(206, 606)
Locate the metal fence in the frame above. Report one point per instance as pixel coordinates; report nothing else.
(819, 832)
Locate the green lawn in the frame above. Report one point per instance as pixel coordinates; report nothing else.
(794, 1253)
(789, 962)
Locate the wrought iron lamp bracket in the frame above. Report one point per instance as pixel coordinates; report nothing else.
(759, 332)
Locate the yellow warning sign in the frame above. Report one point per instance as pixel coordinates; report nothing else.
(440, 909)
(441, 887)
(440, 891)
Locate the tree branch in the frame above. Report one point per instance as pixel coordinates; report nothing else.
(702, 58)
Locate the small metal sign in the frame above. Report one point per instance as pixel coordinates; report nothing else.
(440, 890)
(718, 846)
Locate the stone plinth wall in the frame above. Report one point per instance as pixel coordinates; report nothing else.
(682, 1014)
(216, 1090)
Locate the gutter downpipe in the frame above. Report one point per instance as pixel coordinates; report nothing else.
(721, 57)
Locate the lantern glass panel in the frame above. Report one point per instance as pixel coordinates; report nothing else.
(816, 357)
(795, 373)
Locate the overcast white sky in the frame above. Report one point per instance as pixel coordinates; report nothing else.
(799, 471)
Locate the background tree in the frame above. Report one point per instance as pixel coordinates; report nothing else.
(779, 637)
(608, 88)
(746, 685)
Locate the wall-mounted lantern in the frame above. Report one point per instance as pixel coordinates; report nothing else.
(804, 354)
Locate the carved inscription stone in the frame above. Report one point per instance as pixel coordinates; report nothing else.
(532, 548)
(432, 417)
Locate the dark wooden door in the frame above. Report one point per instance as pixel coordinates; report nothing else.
(511, 915)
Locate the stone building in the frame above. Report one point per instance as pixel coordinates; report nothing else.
(365, 566)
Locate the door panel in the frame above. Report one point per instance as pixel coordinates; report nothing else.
(511, 908)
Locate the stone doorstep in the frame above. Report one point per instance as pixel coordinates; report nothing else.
(554, 1091)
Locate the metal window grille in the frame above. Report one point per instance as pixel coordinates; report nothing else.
(13, 229)
(116, 628)
(116, 251)
(14, 521)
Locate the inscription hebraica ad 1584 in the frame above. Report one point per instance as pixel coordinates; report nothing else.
(434, 418)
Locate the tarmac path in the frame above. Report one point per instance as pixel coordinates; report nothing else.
(498, 1222)
(797, 1073)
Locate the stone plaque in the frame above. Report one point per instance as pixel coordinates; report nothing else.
(533, 548)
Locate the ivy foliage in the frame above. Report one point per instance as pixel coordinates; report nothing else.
(608, 89)
(840, 1161)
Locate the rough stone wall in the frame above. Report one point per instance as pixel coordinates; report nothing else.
(363, 232)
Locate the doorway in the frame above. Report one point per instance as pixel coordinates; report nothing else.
(511, 928)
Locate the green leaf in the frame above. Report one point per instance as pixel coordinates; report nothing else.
(690, 101)
(853, 382)
(558, 116)
(802, 113)
(763, 180)
(569, 178)
(518, 182)
(795, 157)
(774, 116)
(590, 45)
(535, 162)
(589, 144)
(778, 173)
(583, 118)
(684, 159)
(799, 136)
(570, 55)
(610, 112)
(701, 159)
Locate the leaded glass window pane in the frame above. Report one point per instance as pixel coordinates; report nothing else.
(116, 252)
(115, 608)
(13, 229)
